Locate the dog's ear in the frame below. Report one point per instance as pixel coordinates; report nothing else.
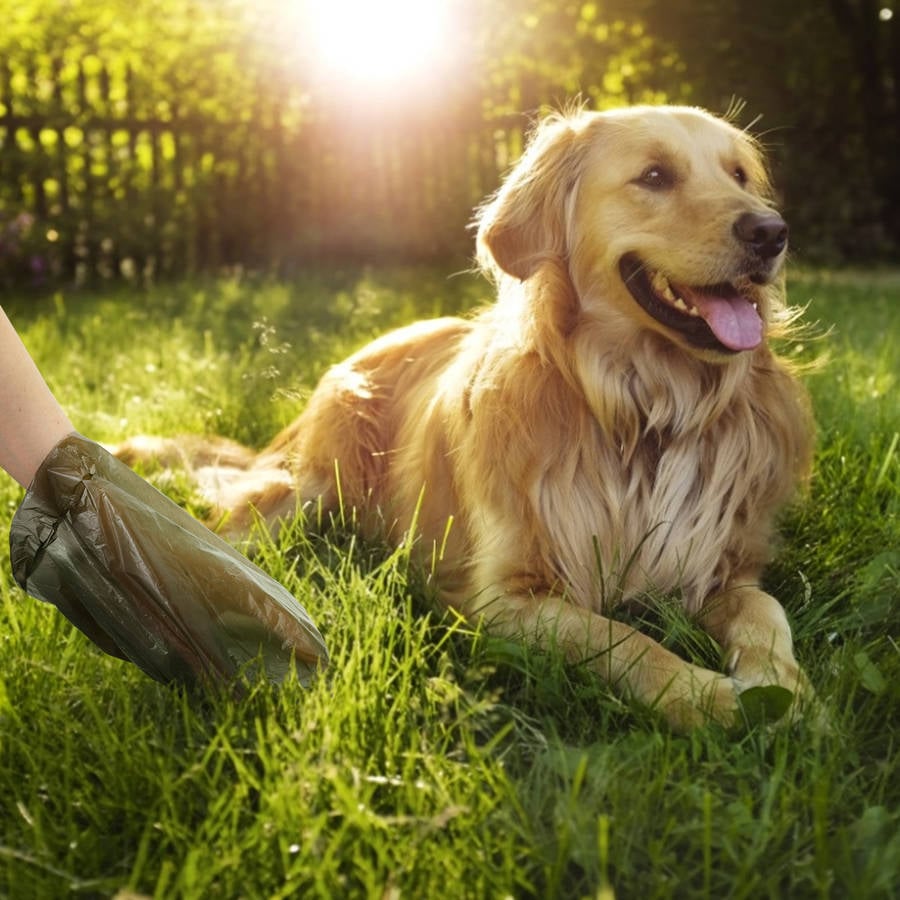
(524, 224)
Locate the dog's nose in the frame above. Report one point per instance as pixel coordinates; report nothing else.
(764, 233)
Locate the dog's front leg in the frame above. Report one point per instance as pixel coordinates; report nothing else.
(630, 661)
(753, 631)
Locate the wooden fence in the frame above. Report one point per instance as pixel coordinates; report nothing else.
(97, 180)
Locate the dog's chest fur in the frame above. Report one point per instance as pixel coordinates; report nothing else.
(652, 518)
(639, 487)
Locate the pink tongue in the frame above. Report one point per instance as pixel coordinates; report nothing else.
(733, 320)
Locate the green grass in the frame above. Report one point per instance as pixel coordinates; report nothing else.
(430, 761)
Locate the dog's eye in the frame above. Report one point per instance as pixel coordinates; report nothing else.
(740, 175)
(657, 178)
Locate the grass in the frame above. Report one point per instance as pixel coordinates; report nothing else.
(430, 761)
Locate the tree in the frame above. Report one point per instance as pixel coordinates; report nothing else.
(177, 134)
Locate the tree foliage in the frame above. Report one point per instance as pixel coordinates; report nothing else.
(177, 134)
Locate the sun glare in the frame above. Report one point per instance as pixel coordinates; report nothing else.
(378, 41)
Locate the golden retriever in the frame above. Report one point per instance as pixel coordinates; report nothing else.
(615, 427)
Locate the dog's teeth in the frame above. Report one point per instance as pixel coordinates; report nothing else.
(662, 287)
(660, 283)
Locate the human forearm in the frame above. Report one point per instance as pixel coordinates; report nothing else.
(31, 420)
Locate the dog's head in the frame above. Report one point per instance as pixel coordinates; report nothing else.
(661, 216)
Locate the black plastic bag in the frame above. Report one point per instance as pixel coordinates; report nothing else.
(147, 582)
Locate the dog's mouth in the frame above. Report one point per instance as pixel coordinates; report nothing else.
(712, 317)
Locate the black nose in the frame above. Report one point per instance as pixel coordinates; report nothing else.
(764, 233)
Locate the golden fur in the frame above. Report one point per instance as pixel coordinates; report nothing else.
(586, 452)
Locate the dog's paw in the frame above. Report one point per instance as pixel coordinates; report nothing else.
(755, 666)
(699, 697)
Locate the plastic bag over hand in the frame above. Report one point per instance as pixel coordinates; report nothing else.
(147, 582)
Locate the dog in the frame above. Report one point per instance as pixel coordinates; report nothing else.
(614, 428)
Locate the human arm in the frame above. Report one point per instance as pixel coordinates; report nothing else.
(31, 420)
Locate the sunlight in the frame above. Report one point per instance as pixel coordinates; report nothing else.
(379, 41)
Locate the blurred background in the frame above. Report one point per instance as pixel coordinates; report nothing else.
(142, 139)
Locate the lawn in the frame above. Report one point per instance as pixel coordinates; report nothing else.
(431, 761)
